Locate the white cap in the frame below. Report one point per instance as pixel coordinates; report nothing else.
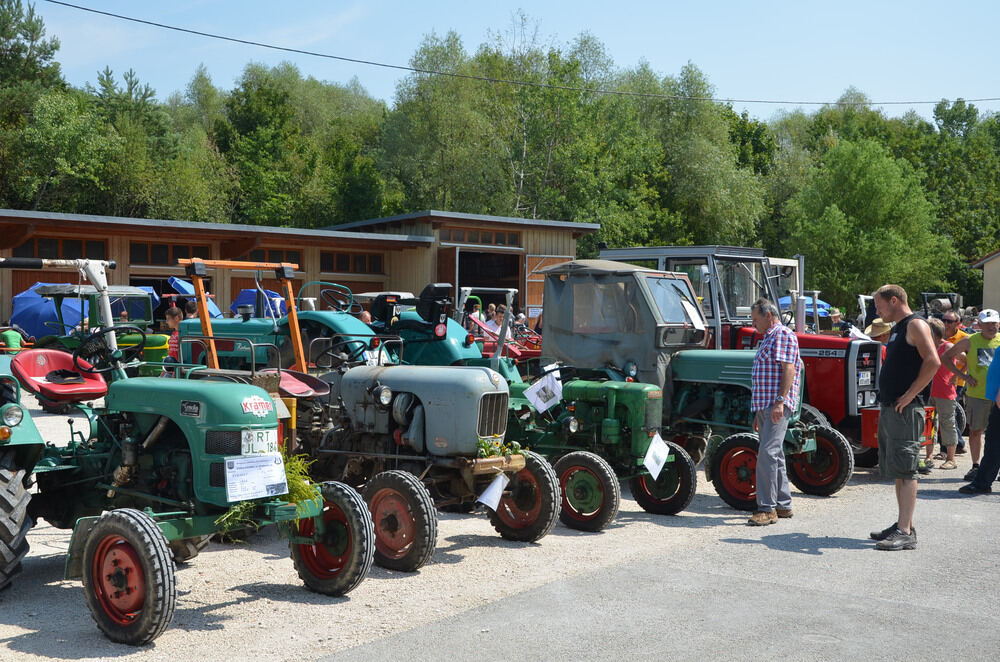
(988, 315)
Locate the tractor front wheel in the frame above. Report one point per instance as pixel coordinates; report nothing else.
(404, 518)
(128, 577)
(734, 470)
(14, 520)
(529, 507)
(825, 470)
(342, 550)
(591, 494)
(673, 489)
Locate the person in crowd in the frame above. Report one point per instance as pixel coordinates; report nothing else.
(943, 395)
(190, 309)
(173, 315)
(979, 349)
(774, 396)
(982, 482)
(879, 330)
(954, 332)
(911, 361)
(365, 317)
(11, 339)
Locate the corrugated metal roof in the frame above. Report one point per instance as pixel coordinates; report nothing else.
(432, 214)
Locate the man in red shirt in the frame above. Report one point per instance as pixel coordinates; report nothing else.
(174, 315)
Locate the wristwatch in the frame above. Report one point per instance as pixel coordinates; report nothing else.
(779, 399)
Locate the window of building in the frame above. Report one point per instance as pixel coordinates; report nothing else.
(51, 248)
(149, 253)
(351, 263)
(276, 255)
(480, 237)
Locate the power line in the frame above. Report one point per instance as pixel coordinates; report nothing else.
(503, 81)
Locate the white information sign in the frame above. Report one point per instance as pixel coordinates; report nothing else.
(259, 441)
(255, 476)
(656, 456)
(544, 393)
(494, 491)
(694, 314)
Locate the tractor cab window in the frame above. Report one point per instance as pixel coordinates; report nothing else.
(604, 307)
(697, 272)
(741, 283)
(670, 295)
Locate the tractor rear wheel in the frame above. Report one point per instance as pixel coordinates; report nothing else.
(128, 577)
(590, 491)
(813, 416)
(404, 518)
(186, 549)
(14, 520)
(529, 507)
(827, 469)
(734, 470)
(673, 489)
(341, 553)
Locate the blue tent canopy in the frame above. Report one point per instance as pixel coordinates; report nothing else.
(32, 311)
(785, 303)
(181, 286)
(249, 298)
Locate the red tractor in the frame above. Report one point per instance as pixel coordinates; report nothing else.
(841, 372)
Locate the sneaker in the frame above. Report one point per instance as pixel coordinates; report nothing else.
(762, 518)
(783, 513)
(971, 473)
(948, 464)
(884, 533)
(923, 468)
(972, 488)
(898, 540)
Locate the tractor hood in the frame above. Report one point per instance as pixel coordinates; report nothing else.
(202, 402)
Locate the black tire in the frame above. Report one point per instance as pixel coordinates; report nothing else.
(188, 548)
(864, 456)
(812, 416)
(126, 549)
(734, 470)
(826, 470)
(673, 489)
(590, 491)
(340, 558)
(404, 518)
(529, 507)
(14, 519)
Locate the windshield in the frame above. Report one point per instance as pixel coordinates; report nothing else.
(697, 272)
(604, 307)
(742, 283)
(670, 294)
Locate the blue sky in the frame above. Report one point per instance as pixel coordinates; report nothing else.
(786, 51)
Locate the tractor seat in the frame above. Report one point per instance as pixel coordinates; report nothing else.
(295, 384)
(52, 375)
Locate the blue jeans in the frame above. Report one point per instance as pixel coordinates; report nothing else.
(990, 464)
(772, 479)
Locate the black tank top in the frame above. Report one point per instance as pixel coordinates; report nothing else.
(901, 367)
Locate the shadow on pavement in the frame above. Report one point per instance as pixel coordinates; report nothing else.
(803, 543)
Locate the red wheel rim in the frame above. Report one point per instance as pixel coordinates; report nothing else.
(319, 559)
(395, 528)
(523, 505)
(825, 464)
(119, 582)
(738, 471)
(594, 500)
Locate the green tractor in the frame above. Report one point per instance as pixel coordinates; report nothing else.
(156, 469)
(626, 324)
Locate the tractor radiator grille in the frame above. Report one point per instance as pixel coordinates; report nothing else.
(493, 414)
(224, 442)
(217, 474)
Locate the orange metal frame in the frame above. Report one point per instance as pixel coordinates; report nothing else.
(206, 321)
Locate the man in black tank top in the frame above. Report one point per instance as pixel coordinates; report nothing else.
(910, 363)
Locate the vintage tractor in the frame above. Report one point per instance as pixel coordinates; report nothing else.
(156, 469)
(623, 322)
(411, 437)
(841, 372)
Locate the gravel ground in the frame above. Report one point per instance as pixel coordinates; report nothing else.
(247, 597)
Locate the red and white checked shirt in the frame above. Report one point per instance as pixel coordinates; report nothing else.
(778, 346)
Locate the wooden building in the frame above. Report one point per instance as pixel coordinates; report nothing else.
(991, 280)
(398, 253)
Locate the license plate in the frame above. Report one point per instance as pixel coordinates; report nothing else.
(864, 378)
(260, 441)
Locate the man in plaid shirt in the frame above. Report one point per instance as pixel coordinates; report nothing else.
(775, 394)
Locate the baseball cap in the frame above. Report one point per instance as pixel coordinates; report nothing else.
(988, 315)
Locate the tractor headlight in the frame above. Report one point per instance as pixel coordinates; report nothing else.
(861, 399)
(13, 415)
(383, 395)
(571, 424)
(870, 396)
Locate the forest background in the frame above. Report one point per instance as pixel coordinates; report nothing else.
(868, 199)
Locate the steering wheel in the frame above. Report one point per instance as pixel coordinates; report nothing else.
(354, 354)
(786, 317)
(94, 349)
(563, 370)
(336, 299)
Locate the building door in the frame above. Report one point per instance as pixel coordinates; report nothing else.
(534, 285)
(491, 269)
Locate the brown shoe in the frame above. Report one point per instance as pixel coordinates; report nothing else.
(762, 518)
(784, 513)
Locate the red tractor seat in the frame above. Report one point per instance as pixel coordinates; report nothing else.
(34, 368)
(295, 384)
